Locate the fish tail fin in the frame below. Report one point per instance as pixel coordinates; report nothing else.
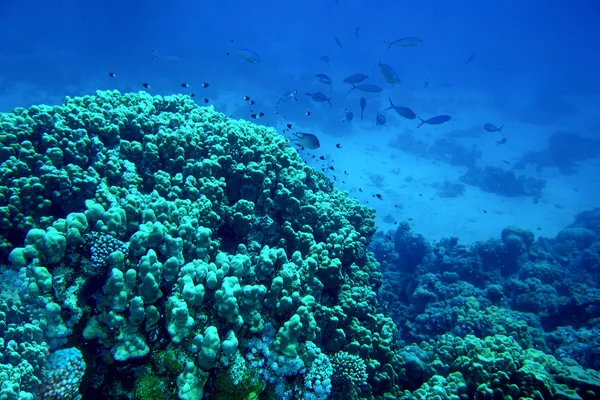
(422, 122)
(353, 87)
(500, 129)
(391, 103)
(329, 101)
(361, 114)
(497, 142)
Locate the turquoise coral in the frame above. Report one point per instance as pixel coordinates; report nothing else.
(214, 228)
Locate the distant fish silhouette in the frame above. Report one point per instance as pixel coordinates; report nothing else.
(404, 42)
(402, 111)
(492, 128)
(338, 42)
(355, 78)
(366, 87)
(248, 55)
(437, 120)
(170, 58)
(388, 73)
(363, 104)
(470, 58)
(380, 119)
(319, 97)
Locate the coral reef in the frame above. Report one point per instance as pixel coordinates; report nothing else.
(152, 248)
(142, 225)
(503, 182)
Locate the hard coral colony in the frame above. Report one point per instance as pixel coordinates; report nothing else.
(136, 225)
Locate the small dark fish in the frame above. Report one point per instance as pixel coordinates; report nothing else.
(470, 58)
(501, 141)
(363, 104)
(506, 162)
(322, 158)
(402, 111)
(325, 60)
(319, 97)
(324, 79)
(380, 119)
(355, 78)
(367, 88)
(246, 98)
(348, 115)
(492, 128)
(185, 85)
(252, 102)
(331, 168)
(289, 126)
(357, 32)
(337, 41)
(437, 120)
(308, 113)
(339, 145)
(146, 85)
(192, 94)
(112, 74)
(388, 73)
(259, 115)
(405, 42)
(306, 141)
(378, 196)
(205, 85)
(205, 100)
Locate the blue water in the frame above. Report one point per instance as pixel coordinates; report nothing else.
(533, 69)
(530, 67)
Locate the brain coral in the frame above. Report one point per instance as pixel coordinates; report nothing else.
(219, 229)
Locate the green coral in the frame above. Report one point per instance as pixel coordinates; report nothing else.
(238, 383)
(149, 386)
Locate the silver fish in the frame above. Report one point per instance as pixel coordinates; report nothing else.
(402, 111)
(388, 73)
(324, 79)
(366, 87)
(306, 141)
(319, 97)
(287, 96)
(405, 42)
(170, 58)
(248, 55)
